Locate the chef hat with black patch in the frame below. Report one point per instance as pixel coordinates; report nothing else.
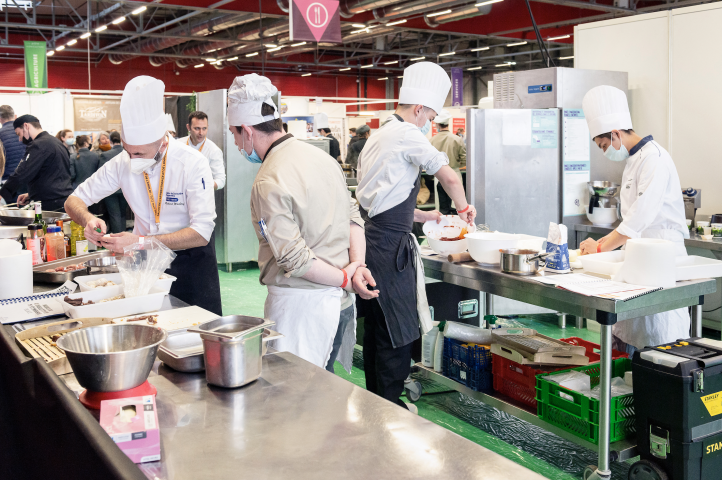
(246, 97)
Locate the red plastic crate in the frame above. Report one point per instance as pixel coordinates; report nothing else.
(519, 381)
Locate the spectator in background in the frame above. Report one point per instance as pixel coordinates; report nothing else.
(2, 159)
(115, 203)
(67, 137)
(354, 150)
(320, 121)
(84, 163)
(103, 142)
(198, 140)
(13, 149)
(454, 148)
(353, 136)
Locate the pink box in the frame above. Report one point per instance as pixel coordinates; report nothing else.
(132, 423)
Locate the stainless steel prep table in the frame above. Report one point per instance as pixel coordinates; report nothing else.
(607, 312)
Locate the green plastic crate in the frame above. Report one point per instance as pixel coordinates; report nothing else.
(581, 416)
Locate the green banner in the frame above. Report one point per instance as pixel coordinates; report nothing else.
(36, 72)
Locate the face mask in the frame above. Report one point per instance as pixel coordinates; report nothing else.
(616, 155)
(427, 126)
(139, 165)
(70, 141)
(253, 157)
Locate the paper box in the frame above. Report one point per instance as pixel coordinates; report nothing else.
(132, 423)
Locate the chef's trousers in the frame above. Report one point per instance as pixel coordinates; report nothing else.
(386, 368)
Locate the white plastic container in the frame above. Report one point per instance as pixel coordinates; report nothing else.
(603, 217)
(428, 346)
(115, 308)
(693, 267)
(439, 352)
(606, 263)
(162, 283)
(484, 246)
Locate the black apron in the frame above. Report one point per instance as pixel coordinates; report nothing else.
(390, 258)
(197, 281)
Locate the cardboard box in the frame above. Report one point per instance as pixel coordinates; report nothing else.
(132, 423)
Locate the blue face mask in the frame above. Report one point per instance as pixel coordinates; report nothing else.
(616, 155)
(427, 126)
(253, 157)
(70, 141)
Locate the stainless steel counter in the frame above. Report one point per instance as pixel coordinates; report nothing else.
(300, 421)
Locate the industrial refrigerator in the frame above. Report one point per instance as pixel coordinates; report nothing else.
(530, 157)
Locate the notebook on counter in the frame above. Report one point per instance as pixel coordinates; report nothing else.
(593, 286)
(36, 306)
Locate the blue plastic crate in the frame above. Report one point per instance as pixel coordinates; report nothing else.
(471, 365)
(469, 355)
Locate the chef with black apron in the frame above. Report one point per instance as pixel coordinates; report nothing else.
(169, 187)
(389, 169)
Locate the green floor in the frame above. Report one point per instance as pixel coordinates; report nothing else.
(242, 294)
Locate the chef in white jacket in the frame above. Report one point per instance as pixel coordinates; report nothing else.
(198, 140)
(652, 206)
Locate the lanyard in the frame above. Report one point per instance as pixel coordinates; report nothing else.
(202, 144)
(153, 205)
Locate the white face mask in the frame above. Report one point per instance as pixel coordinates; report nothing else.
(616, 155)
(139, 165)
(426, 127)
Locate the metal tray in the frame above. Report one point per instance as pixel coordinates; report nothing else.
(183, 351)
(39, 274)
(14, 216)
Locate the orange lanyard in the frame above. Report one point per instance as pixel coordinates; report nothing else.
(202, 144)
(153, 205)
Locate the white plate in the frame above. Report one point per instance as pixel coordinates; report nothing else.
(82, 281)
(115, 308)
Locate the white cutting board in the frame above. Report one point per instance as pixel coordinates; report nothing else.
(176, 319)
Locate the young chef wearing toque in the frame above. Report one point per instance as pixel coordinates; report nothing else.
(454, 148)
(169, 187)
(197, 130)
(309, 231)
(652, 206)
(389, 169)
(320, 122)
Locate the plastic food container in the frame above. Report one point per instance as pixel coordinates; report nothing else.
(606, 263)
(114, 308)
(603, 217)
(717, 229)
(162, 283)
(700, 226)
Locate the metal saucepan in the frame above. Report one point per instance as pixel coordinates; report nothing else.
(11, 216)
(519, 261)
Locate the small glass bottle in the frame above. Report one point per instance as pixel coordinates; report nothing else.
(66, 238)
(32, 243)
(77, 233)
(39, 217)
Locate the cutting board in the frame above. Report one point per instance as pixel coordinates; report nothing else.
(176, 319)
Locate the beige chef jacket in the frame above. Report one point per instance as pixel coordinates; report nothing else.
(300, 193)
(453, 146)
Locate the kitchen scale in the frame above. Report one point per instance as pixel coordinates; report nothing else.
(91, 400)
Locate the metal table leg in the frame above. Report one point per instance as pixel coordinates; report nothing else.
(579, 322)
(488, 304)
(562, 320)
(696, 327)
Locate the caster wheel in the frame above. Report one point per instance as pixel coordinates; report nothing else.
(646, 470)
(589, 471)
(413, 391)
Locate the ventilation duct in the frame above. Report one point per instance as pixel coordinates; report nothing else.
(395, 12)
(349, 8)
(283, 5)
(459, 14)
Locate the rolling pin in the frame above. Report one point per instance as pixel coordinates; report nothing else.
(459, 257)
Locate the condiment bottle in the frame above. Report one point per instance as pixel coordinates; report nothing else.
(76, 233)
(32, 243)
(55, 243)
(66, 238)
(39, 217)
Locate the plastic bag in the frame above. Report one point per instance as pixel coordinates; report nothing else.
(142, 264)
(467, 333)
(619, 388)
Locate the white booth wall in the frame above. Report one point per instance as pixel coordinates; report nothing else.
(49, 108)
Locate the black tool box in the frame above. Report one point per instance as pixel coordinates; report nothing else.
(678, 405)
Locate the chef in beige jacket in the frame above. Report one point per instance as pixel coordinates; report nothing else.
(310, 233)
(454, 148)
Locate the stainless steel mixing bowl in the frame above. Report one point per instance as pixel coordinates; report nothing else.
(112, 358)
(603, 188)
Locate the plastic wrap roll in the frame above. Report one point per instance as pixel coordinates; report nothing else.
(467, 333)
(649, 262)
(16, 266)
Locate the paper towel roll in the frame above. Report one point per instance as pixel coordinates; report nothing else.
(16, 275)
(649, 262)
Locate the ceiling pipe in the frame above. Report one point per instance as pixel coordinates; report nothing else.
(349, 8)
(196, 51)
(371, 33)
(459, 14)
(415, 7)
(283, 5)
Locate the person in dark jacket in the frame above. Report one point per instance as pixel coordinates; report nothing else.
(115, 203)
(354, 150)
(84, 163)
(45, 168)
(14, 150)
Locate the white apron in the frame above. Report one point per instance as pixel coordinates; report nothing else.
(308, 319)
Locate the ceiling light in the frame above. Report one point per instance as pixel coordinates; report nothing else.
(306, 75)
(358, 25)
(417, 58)
(85, 35)
(138, 10)
(391, 63)
(219, 60)
(444, 12)
(489, 2)
(398, 22)
(212, 62)
(298, 44)
(51, 53)
(101, 28)
(118, 20)
(359, 31)
(473, 68)
(447, 54)
(504, 64)
(566, 58)
(251, 54)
(71, 43)
(517, 44)
(384, 78)
(275, 49)
(209, 60)
(558, 38)
(367, 113)
(480, 49)
(367, 66)
(60, 48)
(344, 69)
(400, 76)
(198, 66)
(231, 59)
(270, 45)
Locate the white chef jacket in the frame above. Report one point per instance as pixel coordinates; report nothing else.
(215, 158)
(389, 165)
(188, 199)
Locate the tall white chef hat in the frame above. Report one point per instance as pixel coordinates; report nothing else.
(170, 126)
(443, 117)
(320, 120)
(426, 84)
(606, 109)
(245, 98)
(142, 111)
